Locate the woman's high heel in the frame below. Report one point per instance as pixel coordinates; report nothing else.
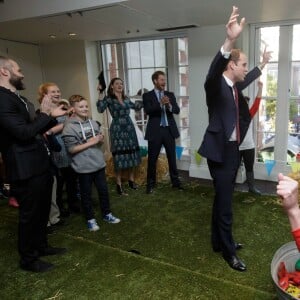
(120, 190)
(132, 185)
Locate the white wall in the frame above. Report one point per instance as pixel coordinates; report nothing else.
(65, 64)
(203, 45)
(28, 58)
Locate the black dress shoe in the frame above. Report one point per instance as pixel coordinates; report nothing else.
(178, 186)
(61, 222)
(50, 230)
(237, 246)
(37, 266)
(149, 190)
(235, 263)
(52, 251)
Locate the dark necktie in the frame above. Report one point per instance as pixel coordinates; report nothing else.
(236, 99)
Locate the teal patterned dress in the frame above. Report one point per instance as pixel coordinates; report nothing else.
(124, 143)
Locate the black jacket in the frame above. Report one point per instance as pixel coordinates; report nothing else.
(222, 109)
(22, 146)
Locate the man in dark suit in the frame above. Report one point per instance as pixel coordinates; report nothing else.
(229, 119)
(160, 105)
(27, 164)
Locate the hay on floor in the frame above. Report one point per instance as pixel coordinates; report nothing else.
(162, 170)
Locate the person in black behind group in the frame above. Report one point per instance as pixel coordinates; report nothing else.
(160, 105)
(27, 164)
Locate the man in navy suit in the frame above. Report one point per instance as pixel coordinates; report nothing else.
(229, 120)
(26, 159)
(160, 105)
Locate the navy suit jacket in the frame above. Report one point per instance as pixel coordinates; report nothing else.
(222, 109)
(153, 110)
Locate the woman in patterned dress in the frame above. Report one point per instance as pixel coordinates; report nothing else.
(124, 142)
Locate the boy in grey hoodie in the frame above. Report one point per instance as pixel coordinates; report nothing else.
(82, 138)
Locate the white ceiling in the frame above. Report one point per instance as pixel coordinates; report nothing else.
(113, 19)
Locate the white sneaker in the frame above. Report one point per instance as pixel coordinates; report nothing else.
(92, 225)
(110, 218)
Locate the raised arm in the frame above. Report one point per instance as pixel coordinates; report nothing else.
(233, 29)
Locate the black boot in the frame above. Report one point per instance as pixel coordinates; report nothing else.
(120, 190)
(250, 182)
(132, 185)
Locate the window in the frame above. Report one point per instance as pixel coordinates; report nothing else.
(278, 122)
(183, 94)
(111, 68)
(136, 61)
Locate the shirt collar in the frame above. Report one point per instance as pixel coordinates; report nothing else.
(228, 81)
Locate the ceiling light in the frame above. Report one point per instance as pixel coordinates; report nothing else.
(52, 36)
(72, 34)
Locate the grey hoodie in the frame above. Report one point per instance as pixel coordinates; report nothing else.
(77, 132)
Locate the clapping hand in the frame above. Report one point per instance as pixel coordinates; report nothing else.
(165, 100)
(96, 139)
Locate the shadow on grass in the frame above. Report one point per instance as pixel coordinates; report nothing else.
(160, 250)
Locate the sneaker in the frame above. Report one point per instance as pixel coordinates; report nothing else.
(92, 225)
(110, 218)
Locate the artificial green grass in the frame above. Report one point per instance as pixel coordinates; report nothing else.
(170, 229)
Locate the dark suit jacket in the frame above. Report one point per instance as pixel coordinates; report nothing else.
(222, 109)
(153, 109)
(24, 152)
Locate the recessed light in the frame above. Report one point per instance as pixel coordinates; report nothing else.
(72, 34)
(52, 36)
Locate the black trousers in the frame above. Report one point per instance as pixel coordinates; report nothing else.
(86, 181)
(163, 138)
(248, 156)
(69, 177)
(34, 198)
(224, 175)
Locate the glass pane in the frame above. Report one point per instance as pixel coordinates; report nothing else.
(266, 129)
(146, 79)
(110, 54)
(183, 51)
(296, 42)
(269, 79)
(295, 79)
(294, 116)
(112, 74)
(147, 54)
(183, 81)
(133, 55)
(294, 127)
(270, 39)
(134, 81)
(183, 103)
(160, 53)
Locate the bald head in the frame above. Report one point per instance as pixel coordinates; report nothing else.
(5, 62)
(10, 74)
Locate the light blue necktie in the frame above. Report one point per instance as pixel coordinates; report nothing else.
(163, 121)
